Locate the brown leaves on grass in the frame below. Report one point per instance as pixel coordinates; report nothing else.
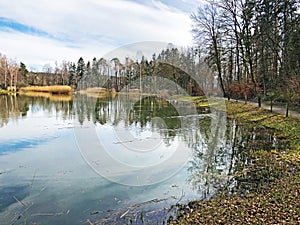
(279, 204)
(275, 198)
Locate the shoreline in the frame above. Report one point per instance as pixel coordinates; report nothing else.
(277, 201)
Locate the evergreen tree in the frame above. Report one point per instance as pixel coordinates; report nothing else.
(80, 70)
(72, 75)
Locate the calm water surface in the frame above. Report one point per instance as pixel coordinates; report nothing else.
(47, 178)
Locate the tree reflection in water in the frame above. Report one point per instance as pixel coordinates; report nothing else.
(217, 154)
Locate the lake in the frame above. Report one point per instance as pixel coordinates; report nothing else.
(113, 159)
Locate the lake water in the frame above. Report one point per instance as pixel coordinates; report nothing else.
(112, 159)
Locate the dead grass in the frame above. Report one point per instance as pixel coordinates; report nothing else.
(95, 90)
(55, 89)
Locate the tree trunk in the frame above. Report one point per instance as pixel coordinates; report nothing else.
(271, 104)
(16, 80)
(116, 81)
(219, 67)
(5, 75)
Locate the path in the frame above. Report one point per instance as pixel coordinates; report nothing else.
(276, 109)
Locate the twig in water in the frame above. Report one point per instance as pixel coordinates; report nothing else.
(148, 202)
(28, 195)
(20, 202)
(4, 171)
(15, 219)
(52, 214)
(90, 222)
(182, 195)
(98, 212)
(124, 214)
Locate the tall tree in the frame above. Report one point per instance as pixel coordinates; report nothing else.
(72, 75)
(4, 70)
(207, 30)
(117, 69)
(80, 70)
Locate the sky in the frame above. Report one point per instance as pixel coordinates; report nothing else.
(40, 32)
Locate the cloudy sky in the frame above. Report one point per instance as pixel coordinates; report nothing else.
(38, 32)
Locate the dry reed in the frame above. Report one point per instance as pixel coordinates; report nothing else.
(55, 89)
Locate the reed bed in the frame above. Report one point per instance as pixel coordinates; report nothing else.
(55, 89)
(97, 90)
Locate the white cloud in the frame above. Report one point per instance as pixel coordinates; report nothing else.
(37, 51)
(88, 27)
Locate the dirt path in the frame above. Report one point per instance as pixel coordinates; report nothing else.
(276, 109)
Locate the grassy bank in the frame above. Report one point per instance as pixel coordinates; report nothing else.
(276, 200)
(285, 127)
(55, 89)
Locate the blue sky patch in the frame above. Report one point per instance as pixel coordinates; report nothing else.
(186, 6)
(11, 25)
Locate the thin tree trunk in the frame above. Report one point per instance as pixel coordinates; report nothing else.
(5, 75)
(16, 80)
(219, 68)
(271, 104)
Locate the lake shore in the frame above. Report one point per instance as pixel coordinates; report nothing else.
(276, 199)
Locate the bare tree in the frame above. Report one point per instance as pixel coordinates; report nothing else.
(207, 30)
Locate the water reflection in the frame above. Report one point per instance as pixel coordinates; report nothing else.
(36, 137)
(17, 145)
(161, 115)
(11, 194)
(15, 107)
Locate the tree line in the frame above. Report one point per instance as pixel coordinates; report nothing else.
(184, 67)
(249, 48)
(14, 75)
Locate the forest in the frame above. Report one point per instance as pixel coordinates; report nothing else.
(251, 49)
